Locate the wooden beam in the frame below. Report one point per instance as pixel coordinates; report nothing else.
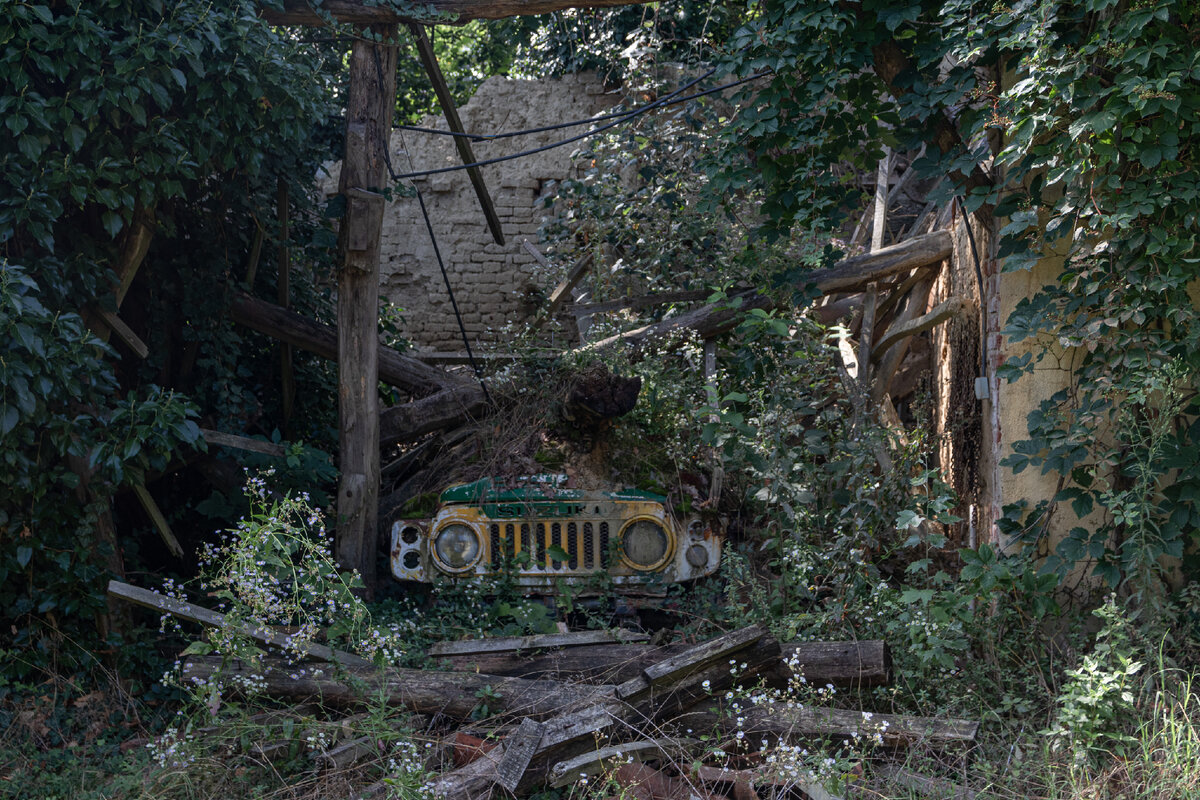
(512, 644)
(854, 273)
(395, 369)
(243, 443)
(450, 694)
(639, 303)
(123, 332)
(465, 152)
(936, 316)
(370, 103)
(159, 519)
(211, 619)
(557, 297)
(352, 12)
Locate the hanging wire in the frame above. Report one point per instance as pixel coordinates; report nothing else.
(622, 119)
(485, 137)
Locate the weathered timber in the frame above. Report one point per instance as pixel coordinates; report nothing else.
(445, 409)
(515, 644)
(936, 316)
(123, 332)
(639, 303)
(849, 275)
(243, 443)
(370, 103)
(760, 777)
(446, 101)
(451, 694)
(395, 369)
(194, 613)
(564, 773)
(843, 664)
(853, 664)
(355, 12)
(696, 658)
(926, 786)
(889, 360)
(519, 747)
(561, 292)
(895, 730)
(159, 519)
(662, 703)
(706, 322)
(563, 737)
(855, 273)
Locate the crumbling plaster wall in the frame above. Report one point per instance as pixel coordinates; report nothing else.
(493, 284)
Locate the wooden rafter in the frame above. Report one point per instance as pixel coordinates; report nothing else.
(302, 12)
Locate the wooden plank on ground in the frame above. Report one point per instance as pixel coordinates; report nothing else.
(502, 644)
(700, 656)
(194, 613)
(519, 747)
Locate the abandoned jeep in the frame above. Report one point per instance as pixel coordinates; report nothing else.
(546, 535)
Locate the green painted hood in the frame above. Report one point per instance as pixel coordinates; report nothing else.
(536, 489)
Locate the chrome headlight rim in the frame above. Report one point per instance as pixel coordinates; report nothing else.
(668, 550)
(444, 565)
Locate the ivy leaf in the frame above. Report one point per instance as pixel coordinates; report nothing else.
(24, 553)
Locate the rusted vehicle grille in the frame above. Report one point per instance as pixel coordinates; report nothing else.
(586, 544)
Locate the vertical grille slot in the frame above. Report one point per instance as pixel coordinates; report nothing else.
(604, 545)
(542, 543)
(589, 541)
(573, 545)
(556, 541)
(523, 544)
(496, 552)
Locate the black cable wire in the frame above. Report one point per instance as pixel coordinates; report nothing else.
(625, 118)
(666, 100)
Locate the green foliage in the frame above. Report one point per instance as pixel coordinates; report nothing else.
(1096, 706)
(183, 117)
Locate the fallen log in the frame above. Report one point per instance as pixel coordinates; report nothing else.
(195, 613)
(517, 644)
(395, 369)
(848, 275)
(843, 664)
(577, 731)
(567, 772)
(802, 722)
(445, 409)
(451, 694)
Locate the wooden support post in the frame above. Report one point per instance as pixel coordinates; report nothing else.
(287, 375)
(369, 106)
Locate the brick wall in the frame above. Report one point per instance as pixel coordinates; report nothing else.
(491, 282)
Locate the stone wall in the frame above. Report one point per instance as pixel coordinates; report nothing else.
(492, 283)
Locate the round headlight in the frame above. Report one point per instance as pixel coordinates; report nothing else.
(456, 546)
(644, 544)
